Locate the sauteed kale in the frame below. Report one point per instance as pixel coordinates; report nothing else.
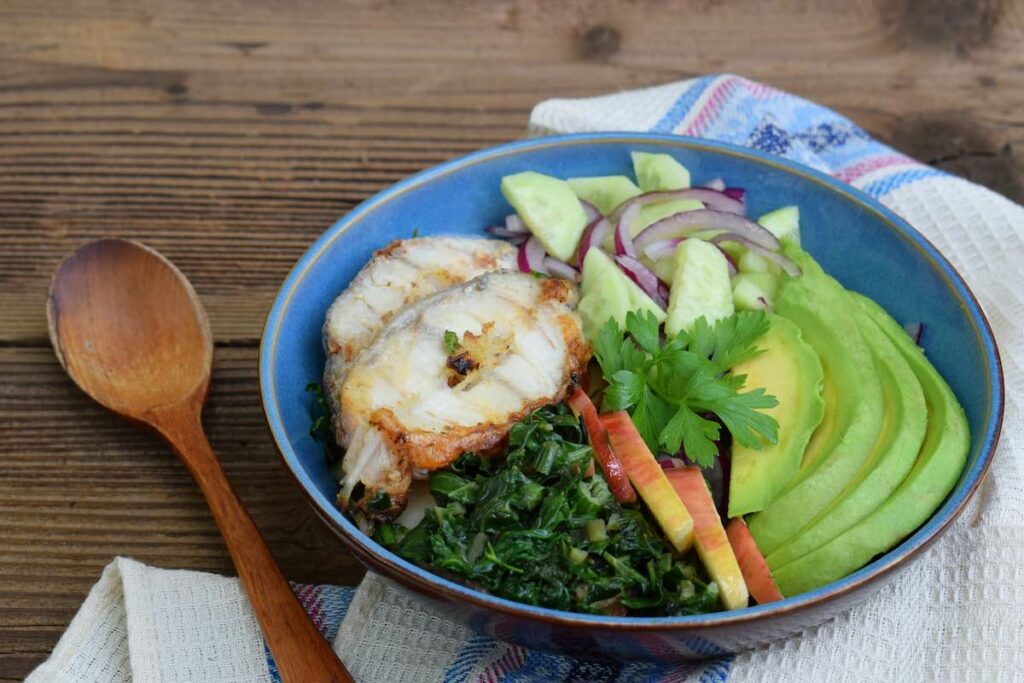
(537, 529)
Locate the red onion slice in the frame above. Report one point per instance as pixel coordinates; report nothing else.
(645, 278)
(737, 193)
(716, 184)
(681, 224)
(593, 235)
(713, 199)
(671, 463)
(561, 269)
(792, 269)
(593, 213)
(623, 237)
(531, 257)
(915, 330)
(663, 249)
(513, 223)
(504, 233)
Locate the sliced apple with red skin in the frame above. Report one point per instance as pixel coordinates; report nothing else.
(612, 468)
(709, 536)
(649, 480)
(755, 570)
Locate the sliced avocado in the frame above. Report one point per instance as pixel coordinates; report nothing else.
(826, 316)
(934, 474)
(549, 208)
(607, 292)
(700, 286)
(903, 428)
(656, 172)
(604, 192)
(784, 223)
(754, 291)
(788, 369)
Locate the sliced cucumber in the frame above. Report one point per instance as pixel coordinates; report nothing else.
(607, 292)
(604, 192)
(784, 223)
(753, 291)
(664, 268)
(659, 172)
(733, 250)
(751, 262)
(700, 286)
(549, 208)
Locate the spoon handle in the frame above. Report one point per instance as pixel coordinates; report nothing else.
(300, 651)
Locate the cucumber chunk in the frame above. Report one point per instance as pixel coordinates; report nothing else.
(549, 208)
(607, 292)
(754, 291)
(659, 172)
(752, 262)
(784, 223)
(700, 286)
(604, 192)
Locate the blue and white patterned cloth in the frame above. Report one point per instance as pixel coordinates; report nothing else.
(957, 616)
(733, 109)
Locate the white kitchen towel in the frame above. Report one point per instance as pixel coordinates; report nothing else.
(956, 614)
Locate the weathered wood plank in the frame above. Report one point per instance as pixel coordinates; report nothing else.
(231, 143)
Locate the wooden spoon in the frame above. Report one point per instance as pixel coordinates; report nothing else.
(130, 330)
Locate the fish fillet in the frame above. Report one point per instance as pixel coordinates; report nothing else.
(400, 274)
(409, 401)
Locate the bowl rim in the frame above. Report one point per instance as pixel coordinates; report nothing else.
(424, 581)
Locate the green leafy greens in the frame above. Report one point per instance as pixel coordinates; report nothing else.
(320, 427)
(535, 529)
(671, 387)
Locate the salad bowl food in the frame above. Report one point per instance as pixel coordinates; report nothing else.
(639, 559)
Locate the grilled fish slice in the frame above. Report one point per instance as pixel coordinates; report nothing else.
(400, 274)
(411, 401)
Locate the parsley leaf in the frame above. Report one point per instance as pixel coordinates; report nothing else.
(740, 414)
(649, 417)
(625, 390)
(669, 387)
(701, 432)
(735, 337)
(451, 342)
(644, 331)
(615, 352)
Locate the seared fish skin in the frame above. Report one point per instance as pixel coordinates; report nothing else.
(412, 402)
(401, 273)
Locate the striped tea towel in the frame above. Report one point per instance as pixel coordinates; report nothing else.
(957, 614)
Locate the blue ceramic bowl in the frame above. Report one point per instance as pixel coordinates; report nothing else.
(863, 244)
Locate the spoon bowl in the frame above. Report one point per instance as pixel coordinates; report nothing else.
(131, 332)
(128, 327)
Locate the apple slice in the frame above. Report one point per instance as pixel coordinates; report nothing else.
(649, 479)
(614, 473)
(712, 544)
(755, 570)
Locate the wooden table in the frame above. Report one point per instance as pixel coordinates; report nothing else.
(229, 135)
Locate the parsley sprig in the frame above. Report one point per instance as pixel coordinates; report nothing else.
(669, 387)
(451, 342)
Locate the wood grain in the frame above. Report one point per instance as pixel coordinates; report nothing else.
(228, 135)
